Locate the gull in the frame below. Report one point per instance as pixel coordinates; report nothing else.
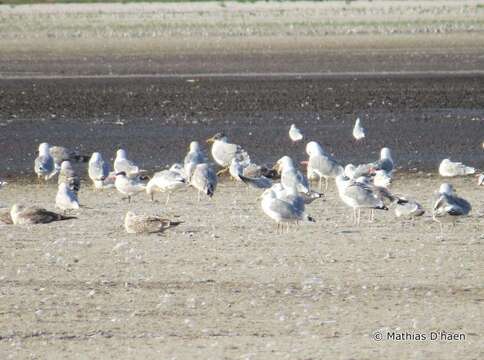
(282, 212)
(194, 157)
(204, 179)
(322, 164)
(128, 186)
(357, 196)
(359, 132)
(68, 175)
(122, 164)
(223, 152)
(22, 215)
(5, 217)
(449, 168)
(166, 181)
(60, 154)
(410, 209)
(44, 163)
(2, 183)
(66, 198)
(290, 176)
(449, 206)
(99, 170)
(137, 224)
(295, 134)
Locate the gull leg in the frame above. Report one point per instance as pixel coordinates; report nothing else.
(320, 183)
(167, 199)
(326, 186)
(359, 217)
(353, 217)
(129, 199)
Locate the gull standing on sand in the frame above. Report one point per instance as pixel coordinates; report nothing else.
(122, 164)
(223, 152)
(204, 179)
(282, 212)
(295, 134)
(22, 215)
(322, 164)
(66, 198)
(449, 206)
(166, 181)
(194, 157)
(128, 186)
(68, 175)
(137, 224)
(359, 132)
(44, 163)
(99, 172)
(449, 168)
(357, 196)
(290, 176)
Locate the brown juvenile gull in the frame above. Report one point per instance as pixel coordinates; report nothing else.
(22, 215)
(137, 224)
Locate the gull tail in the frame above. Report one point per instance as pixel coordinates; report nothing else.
(469, 170)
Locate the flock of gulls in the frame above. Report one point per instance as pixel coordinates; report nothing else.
(285, 190)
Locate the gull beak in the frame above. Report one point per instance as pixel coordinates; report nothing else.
(210, 140)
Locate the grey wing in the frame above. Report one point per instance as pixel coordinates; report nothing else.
(362, 195)
(459, 206)
(326, 165)
(384, 164)
(44, 164)
(284, 209)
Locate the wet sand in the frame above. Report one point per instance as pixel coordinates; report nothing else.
(230, 287)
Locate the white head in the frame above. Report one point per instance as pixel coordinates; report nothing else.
(285, 163)
(445, 161)
(44, 149)
(66, 165)
(194, 146)
(350, 170)
(313, 148)
(95, 157)
(293, 126)
(385, 154)
(121, 154)
(446, 188)
(358, 121)
(176, 167)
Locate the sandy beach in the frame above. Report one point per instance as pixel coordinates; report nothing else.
(225, 285)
